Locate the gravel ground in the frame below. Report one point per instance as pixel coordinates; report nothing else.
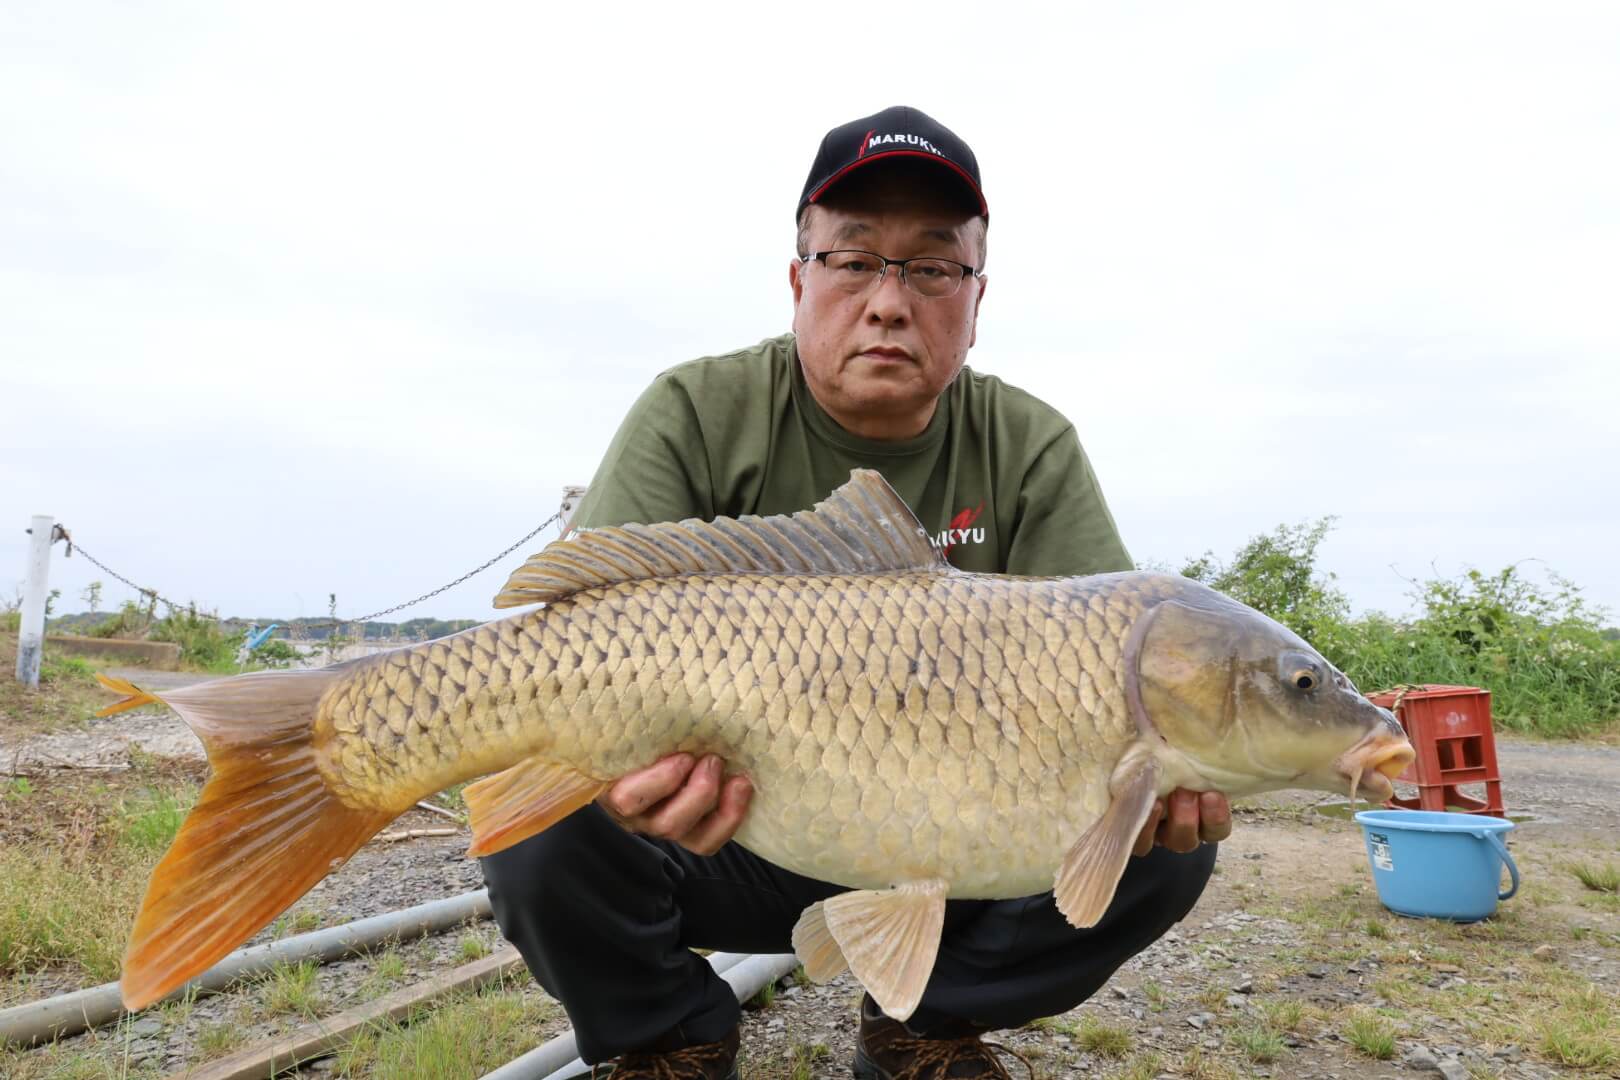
(1183, 999)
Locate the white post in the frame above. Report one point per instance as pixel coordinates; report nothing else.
(36, 586)
(572, 494)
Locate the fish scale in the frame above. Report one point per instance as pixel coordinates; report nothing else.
(915, 682)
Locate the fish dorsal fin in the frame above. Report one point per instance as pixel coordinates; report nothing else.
(861, 528)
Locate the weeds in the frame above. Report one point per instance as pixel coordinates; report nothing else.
(1283, 1016)
(148, 825)
(1544, 654)
(765, 998)
(1144, 1066)
(390, 966)
(1371, 1034)
(466, 1036)
(799, 1063)
(291, 989)
(1258, 1044)
(216, 1038)
(202, 639)
(1605, 878)
(1104, 1040)
(1198, 1065)
(71, 901)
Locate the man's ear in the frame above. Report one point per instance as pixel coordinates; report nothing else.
(973, 337)
(796, 283)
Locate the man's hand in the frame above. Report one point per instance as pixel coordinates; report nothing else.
(1194, 817)
(683, 799)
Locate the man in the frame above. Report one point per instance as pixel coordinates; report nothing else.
(607, 905)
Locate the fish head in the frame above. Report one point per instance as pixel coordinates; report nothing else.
(1248, 706)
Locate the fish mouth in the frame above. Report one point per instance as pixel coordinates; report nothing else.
(1375, 761)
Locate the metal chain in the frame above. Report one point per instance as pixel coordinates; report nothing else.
(476, 570)
(152, 593)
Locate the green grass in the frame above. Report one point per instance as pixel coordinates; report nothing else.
(1283, 1016)
(67, 695)
(1089, 1033)
(291, 990)
(466, 1036)
(1197, 1064)
(1583, 1029)
(797, 1064)
(1605, 878)
(71, 908)
(71, 880)
(1104, 1040)
(1259, 1044)
(1143, 1066)
(61, 669)
(150, 820)
(1156, 996)
(289, 923)
(389, 966)
(217, 1038)
(1371, 1034)
(472, 947)
(105, 1058)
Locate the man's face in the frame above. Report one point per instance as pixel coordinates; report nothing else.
(877, 361)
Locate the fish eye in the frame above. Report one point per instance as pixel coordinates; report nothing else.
(1302, 671)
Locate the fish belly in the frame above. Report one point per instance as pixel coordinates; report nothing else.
(895, 726)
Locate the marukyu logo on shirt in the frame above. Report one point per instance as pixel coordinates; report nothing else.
(960, 531)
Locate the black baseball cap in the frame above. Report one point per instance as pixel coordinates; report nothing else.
(898, 131)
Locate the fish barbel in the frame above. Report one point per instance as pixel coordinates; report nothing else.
(911, 731)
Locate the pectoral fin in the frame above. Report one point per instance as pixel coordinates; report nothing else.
(530, 796)
(1091, 870)
(889, 939)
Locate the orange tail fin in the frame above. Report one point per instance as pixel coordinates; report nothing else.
(265, 829)
(136, 697)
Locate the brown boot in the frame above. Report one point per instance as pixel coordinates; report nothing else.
(888, 1050)
(707, 1061)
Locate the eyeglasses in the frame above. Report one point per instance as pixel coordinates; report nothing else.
(856, 271)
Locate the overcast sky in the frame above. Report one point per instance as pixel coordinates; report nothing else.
(309, 298)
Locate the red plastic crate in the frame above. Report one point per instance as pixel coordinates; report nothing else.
(1450, 728)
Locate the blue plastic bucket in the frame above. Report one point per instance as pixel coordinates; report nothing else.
(1438, 866)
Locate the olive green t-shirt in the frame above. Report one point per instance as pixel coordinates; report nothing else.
(998, 478)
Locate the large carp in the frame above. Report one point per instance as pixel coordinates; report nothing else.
(911, 731)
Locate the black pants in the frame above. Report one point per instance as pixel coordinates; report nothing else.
(605, 921)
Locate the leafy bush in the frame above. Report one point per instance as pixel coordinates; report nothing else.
(202, 640)
(274, 653)
(1276, 574)
(1549, 663)
(129, 621)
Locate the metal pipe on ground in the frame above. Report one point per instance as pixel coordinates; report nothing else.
(69, 1014)
(557, 1059)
